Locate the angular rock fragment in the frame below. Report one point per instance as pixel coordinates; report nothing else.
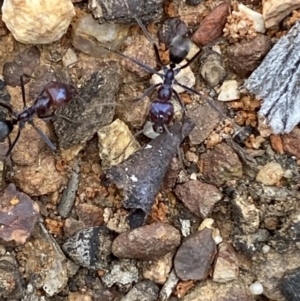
(276, 82)
(246, 215)
(90, 247)
(91, 37)
(291, 143)
(198, 197)
(57, 16)
(195, 256)
(146, 242)
(88, 110)
(141, 175)
(158, 270)
(41, 177)
(169, 286)
(270, 174)
(116, 143)
(145, 291)
(10, 280)
(18, 215)
(226, 267)
(274, 11)
(121, 272)
(291, 285)
(221, 164)
(46, 263)
(90, 215)
(204, 122)
(229, 91)
(126, 11)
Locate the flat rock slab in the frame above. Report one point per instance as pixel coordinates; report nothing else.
(87, 110)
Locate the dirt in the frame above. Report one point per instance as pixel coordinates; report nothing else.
(71, 188)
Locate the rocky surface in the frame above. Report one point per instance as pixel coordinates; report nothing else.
(207, 211)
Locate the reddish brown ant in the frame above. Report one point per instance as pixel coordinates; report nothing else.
(54, 95)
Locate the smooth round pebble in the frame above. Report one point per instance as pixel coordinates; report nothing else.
(256, 288)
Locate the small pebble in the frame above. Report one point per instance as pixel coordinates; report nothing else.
(257, 18)
(193, 176)
(256, 288)
(288, 174)
(69, 58)
(229, 91)
(148, 130)
(270, 174)
(266, 249)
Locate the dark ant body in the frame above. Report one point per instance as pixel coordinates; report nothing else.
(162, 110)
(54, 95)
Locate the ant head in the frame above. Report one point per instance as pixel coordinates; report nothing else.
(180, 46)
(6, 127)
(161, 114)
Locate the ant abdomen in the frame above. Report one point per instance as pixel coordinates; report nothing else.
(180, 47)
(59, 93)
(161, 113)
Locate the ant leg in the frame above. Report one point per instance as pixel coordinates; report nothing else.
(23, 90)
(210, 102)
(144, 66)
(12, 145)
(148, 91)
(7, 107)
(43, 136)
(191, 60)
(180, 101)
(147, 34)
(54, 115)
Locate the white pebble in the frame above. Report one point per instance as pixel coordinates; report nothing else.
(218, 239)
(148, 130)
(193, 176)
(257, 18)
(229, 91)
(266, 249)
(256, 288)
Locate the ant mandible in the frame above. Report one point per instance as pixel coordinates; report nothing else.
(54, 94)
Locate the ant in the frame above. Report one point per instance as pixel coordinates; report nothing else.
(54, 94)
(162, 110)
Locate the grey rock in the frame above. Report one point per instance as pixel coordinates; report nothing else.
(276, 81)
